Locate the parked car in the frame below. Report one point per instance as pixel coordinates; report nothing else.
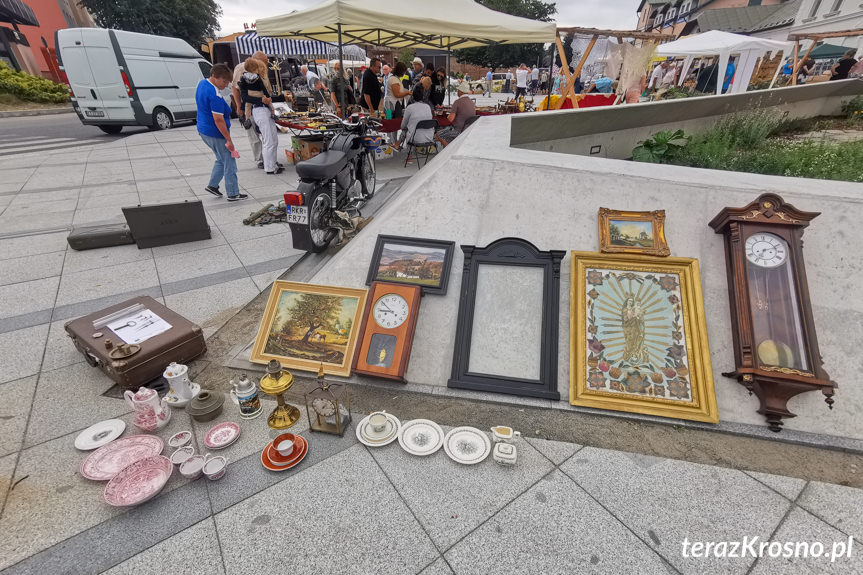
(120, 78)
(497, 81)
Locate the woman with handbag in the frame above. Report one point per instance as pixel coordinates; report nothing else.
(253, 82)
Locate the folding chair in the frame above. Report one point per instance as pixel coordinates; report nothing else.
(470, 121)
(430, 146)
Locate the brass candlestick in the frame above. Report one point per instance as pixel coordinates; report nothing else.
(276, 383)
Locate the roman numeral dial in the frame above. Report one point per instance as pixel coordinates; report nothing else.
(766, 250)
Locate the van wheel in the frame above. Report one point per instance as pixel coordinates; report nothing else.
(162, 119)
(111, 129)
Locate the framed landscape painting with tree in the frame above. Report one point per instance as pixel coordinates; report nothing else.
(306, 325)
(414, 261)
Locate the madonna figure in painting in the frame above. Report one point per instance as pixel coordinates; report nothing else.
(632, 318)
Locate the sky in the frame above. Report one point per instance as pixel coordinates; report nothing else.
(609, 14)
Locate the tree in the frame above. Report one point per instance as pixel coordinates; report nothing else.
(508, 55)
(567, 49)
(191, 20)
(311, 312)
(406, 55)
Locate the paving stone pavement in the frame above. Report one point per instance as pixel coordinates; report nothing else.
(347, 508)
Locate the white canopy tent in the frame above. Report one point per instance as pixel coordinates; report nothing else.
(723, 45)
(437, 24)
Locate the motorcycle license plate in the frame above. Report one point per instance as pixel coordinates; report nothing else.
(297, 214)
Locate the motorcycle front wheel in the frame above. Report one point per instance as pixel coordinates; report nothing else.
(368, 175)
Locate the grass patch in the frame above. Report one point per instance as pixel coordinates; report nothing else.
(9, 102)
(758, 143)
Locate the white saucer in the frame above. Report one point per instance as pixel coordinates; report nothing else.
(421, 437)
(179, 402)
(371, 439)
(100, 434)
(467, 445)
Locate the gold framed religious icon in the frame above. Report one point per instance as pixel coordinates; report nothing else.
(632, 232)
(638, 337)
(306, 326)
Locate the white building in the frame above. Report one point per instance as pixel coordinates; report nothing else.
(816, 16)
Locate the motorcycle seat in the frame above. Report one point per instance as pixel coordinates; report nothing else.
(323, 166)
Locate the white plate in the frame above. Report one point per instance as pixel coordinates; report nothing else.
(100, 434)
(421, 437)
(467, 445)
(374, 440)
(179, 402)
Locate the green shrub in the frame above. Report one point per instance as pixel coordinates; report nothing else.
(31, 88)
(660, 147)
(853, 109)
(745, 143)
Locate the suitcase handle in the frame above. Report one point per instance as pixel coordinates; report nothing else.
(92, 359)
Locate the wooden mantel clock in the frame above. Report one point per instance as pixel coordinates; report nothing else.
(387, 331)
(775, 347)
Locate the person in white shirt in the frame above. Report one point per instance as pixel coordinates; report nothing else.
(657, 76)
(311, 77)
(534, 80)
(669, 77)
(507, 84)
(521, 76)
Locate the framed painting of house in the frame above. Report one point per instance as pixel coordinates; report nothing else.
(306, 326)
(414, 261)
(632, 232)
(638, 337)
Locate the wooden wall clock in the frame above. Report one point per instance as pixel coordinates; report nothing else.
(388, 326)
(775, 347)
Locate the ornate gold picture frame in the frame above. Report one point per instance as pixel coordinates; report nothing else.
(632, 232)
(639, 338)
(307, 325)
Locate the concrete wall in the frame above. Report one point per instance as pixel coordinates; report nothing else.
(480, 189)
(616, 130)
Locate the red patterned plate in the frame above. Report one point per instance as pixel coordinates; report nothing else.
(280, 460)
(109, 460)
(139, 482)
(269, 465)
(222, 435)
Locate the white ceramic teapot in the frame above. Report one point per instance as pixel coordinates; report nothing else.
(151, 412)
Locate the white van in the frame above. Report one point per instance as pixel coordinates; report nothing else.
(126, 79)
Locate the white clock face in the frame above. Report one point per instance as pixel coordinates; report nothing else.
(324, 407)
(391, 310)
(766, 250)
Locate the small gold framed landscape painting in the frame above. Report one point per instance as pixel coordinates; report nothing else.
(639, 337)
(305, 325)
(632, 232)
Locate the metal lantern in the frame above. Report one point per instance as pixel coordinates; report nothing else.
(328, 406)
(276, 383)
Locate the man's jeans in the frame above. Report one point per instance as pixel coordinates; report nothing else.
(225, 166)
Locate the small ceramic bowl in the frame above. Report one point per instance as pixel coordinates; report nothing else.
(215, 467)
(182, 455)
(284, 443)
(193, 467)
(180, 439)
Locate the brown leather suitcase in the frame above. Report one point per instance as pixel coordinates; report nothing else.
(121, 361)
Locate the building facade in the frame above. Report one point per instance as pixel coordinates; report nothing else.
(819, 16)
(34, 41)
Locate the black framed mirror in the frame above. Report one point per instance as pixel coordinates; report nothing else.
(508, 317)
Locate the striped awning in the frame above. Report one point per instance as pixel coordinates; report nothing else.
(250, 42)
(17, 12)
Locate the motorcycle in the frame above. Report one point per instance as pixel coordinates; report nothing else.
(333, 185)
